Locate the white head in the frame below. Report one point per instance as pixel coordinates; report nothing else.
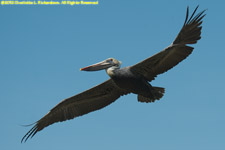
(106, 64)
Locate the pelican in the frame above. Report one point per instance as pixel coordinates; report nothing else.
(133, 79)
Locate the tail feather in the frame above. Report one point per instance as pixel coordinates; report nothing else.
(157, 93)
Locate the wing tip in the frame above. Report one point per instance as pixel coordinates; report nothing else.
(192, 18)
(191, 30)
(30, 133)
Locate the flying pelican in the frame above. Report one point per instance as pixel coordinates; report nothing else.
(133, 79)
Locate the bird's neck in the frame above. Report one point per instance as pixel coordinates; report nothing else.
(111, 71)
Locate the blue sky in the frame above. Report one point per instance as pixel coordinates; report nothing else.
(43, 47)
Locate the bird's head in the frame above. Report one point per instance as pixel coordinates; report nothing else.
(105, 64)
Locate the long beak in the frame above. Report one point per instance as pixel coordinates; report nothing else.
(99, 66)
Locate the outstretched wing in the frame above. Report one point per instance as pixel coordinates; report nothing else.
(78, 105)
(176, 52)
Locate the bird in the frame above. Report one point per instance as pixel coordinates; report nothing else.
(132, 79)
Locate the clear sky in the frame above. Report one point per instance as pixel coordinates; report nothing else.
(43, 47)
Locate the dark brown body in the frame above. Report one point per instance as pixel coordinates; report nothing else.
(135, 83)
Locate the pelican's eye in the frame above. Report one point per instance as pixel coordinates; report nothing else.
(110, 60)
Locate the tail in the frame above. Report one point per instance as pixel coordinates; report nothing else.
(157, 93)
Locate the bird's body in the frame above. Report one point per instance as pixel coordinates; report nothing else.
(125, 79)
(132, 82)
(134, 79)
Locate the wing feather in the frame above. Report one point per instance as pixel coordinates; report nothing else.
(78, 105)
(176, 52)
